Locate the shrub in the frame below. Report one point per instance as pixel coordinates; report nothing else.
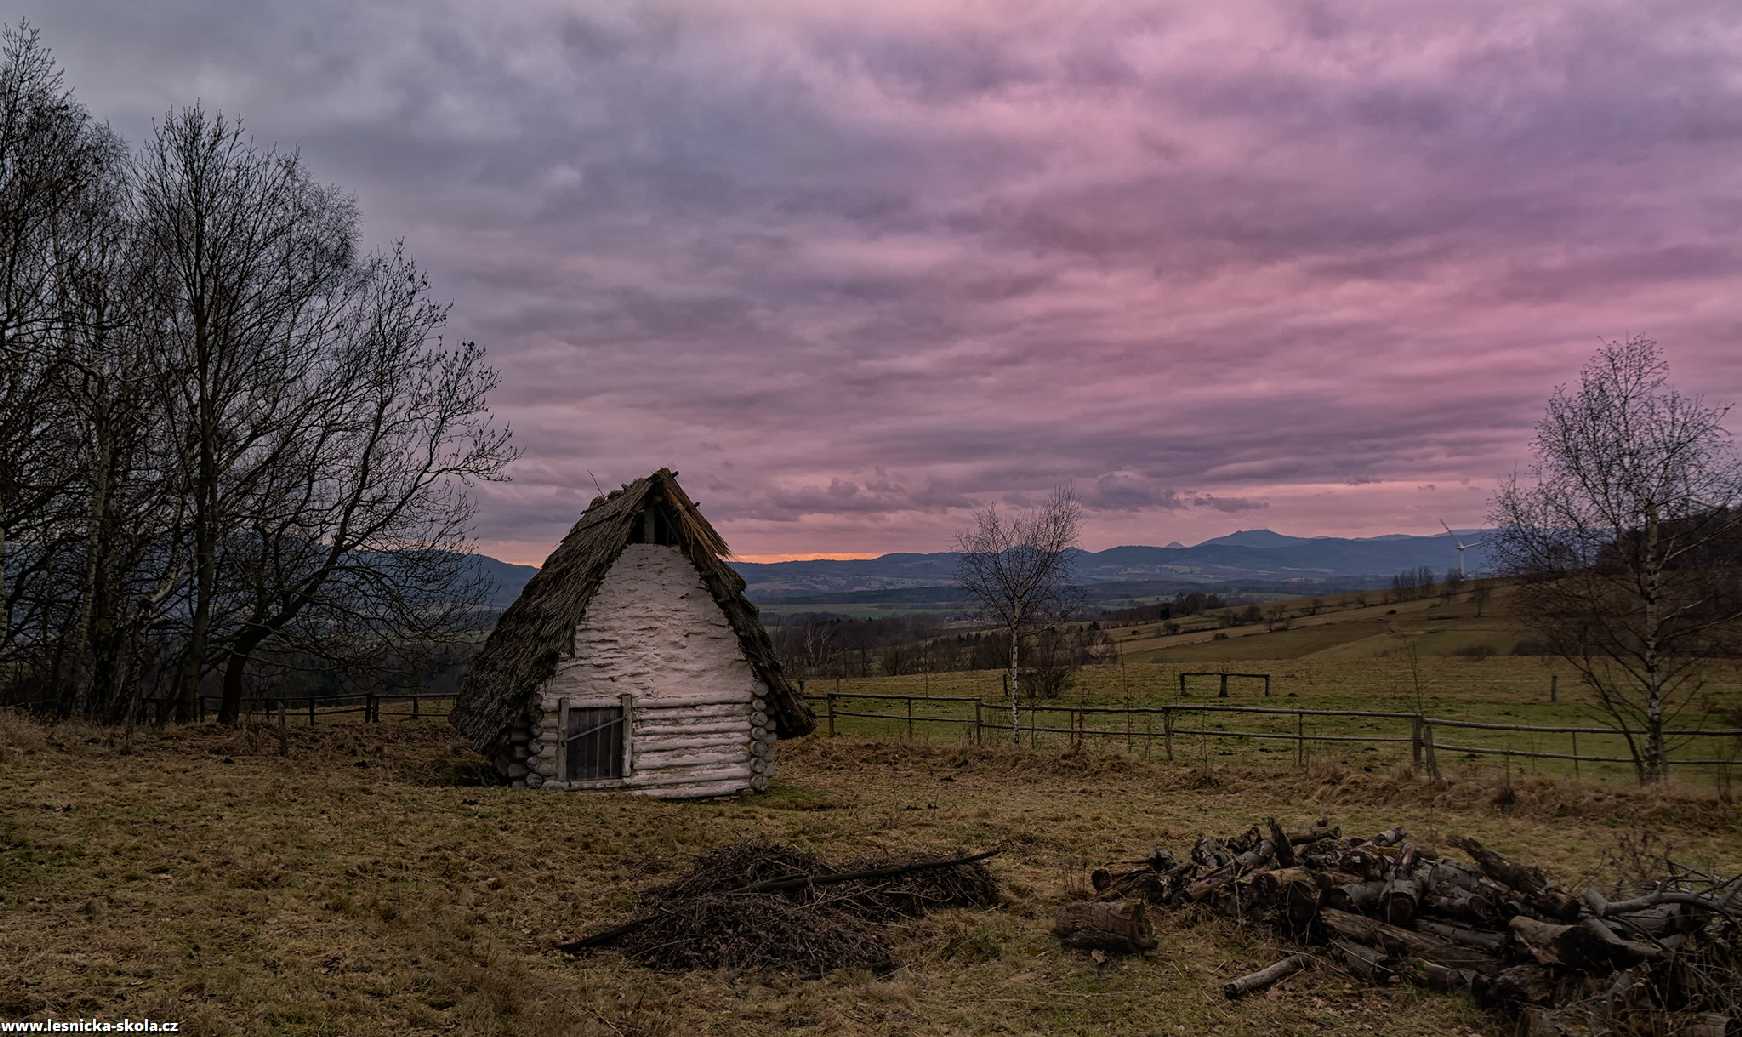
(1476, 651)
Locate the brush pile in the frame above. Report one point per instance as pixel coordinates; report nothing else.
(765, 907)
(1389, 910)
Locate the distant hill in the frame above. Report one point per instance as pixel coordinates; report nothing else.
(1248, 558)
(1251, 559)
(505, 578)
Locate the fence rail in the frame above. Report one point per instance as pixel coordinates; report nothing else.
(1034, 719)
(311, 707)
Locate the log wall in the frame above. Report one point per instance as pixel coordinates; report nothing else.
(699, 724)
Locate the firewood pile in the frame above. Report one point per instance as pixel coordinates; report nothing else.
(1387, 909)
(765, 907)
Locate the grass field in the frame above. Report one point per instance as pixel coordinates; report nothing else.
(360, 886)
(1420, 655)
(1505, 690)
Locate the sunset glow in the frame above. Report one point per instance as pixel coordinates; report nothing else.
(1303, 266)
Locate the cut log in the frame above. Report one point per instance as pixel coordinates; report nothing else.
(1359, 897)
(1585, 945)
(1492, 943)
(1266, 978)
(1258, 857)
(1321, 829)
(1365, 963)
(1529, 881)
(1516, 987)
(1400, 899)
(1292, 891)
(1462, 904)
(1404, 943)
(1097, 925)
(1280, 844)
(1434, 976)
(1219, 879)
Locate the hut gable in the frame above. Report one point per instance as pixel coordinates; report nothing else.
(636, 606)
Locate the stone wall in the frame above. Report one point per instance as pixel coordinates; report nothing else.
(699, 726)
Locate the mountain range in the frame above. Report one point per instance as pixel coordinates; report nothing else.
(1248, 559)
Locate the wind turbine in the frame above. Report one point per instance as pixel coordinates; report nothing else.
(1461, 546)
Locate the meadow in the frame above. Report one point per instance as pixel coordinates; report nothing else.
(366, 884)
(1429, 656)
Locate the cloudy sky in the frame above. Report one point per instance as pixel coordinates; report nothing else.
(853, 268)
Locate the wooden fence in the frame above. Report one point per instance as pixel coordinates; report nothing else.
(979, 720)
(310, 709)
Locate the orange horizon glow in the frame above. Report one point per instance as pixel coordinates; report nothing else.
(839, 556)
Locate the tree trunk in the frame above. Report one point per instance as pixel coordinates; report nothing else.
(235, 669)
(75, 683)
(1653, 765)
(1094, 925)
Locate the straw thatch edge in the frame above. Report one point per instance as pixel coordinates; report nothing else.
(531, 636)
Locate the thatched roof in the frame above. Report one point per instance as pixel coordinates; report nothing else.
(522, 652)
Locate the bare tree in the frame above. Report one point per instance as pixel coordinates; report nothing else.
(1017, 571)
(252, 266)
(1626, 540)
(359, 530)
(49, 151)
(225, 439)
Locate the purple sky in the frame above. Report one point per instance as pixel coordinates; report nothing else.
(853, 268)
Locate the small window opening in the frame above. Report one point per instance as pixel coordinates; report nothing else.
(593, 747)
(653, 528)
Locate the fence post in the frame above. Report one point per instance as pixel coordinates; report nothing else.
(371, 708)
(1148, 734)
(1182, 684)
(1299, 735)
(832, 714)
(1575, 754)
(1267, 685)
(977, 735)
(1167, 732)
(311, 711)
(1433, 760)
(1222, 692)
(414, 705)
(910, 718)
(1554, 680)
(1415, 726)
(283, 727)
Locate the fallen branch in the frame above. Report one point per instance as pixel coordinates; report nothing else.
(868, 875)
(1265, 978)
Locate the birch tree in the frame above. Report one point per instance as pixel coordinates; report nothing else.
(1625, 538)
(1017, 570)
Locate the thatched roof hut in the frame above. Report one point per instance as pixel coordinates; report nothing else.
(633, 660)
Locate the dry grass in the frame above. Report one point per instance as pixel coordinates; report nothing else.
(359, 886)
